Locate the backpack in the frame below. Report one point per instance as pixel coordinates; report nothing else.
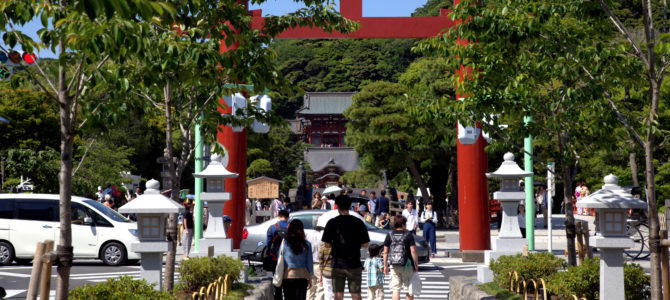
(397, 254)
(116, 193)
(272, 250)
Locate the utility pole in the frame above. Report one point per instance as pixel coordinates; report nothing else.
(529, 186)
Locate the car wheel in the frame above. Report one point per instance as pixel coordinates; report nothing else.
(113, 254)
(6, 253)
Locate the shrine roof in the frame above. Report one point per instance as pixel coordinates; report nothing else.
(344, 158)
(325, 103)
(264, 178)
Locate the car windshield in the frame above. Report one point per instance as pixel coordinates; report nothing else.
(107, 211)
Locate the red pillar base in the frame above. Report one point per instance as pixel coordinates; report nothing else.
(473, 198)
(236, 147)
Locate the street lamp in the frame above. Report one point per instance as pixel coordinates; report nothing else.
(509, 240)
(612, 203)
(152, 209)
(215, 195)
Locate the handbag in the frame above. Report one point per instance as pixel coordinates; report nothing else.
(278, 277)
(415, 285)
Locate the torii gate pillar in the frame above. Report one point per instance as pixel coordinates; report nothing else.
(472, 160)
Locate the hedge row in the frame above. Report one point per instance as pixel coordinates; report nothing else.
(582, 280)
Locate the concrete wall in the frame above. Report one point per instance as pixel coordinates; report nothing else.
(465, 288)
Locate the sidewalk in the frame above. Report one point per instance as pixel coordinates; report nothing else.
(448, 239)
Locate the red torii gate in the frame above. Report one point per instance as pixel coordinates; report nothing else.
(472, 160)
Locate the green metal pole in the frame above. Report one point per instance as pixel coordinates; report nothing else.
(198, 186)
(530, 192)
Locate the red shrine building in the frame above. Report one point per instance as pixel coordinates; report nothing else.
(321, 124)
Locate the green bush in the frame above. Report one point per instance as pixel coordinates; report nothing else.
(584, 281)
(120, 288)
(535, 266)
(636, 282)
(200, 271)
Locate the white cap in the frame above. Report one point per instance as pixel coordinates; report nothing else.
(99, 188)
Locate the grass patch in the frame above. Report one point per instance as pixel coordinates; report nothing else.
(499, 293)
(239, 291)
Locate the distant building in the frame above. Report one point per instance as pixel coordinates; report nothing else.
(321, 123)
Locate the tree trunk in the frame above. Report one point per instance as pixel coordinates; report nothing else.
(168, 283)
(438, 187)
(654, 233)
(417, 176)
(633, 168)
(452, 205)
(570, 229)
(654, 226)
(64, 248)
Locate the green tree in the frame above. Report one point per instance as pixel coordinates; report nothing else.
(258, 167)
(582, 59)
(280, 149)
(381, 131)
(33, 120)
(100, 162)
(520, 68)
(83, 43)
(40, 166)
(436, 148)
(432, 7)
(181, 74)
(337, 66)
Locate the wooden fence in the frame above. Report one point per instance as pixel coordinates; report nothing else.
(216, 290)
(531, 287)
(40, 277)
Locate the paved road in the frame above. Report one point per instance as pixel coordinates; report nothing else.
(15, 278)
(434, 279)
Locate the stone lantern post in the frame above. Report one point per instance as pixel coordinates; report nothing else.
(509, 241)
(612, 204)
(152, 210)
(215, 195)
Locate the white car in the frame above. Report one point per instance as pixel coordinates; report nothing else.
(97, 231)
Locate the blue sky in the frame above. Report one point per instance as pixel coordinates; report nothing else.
(371, 8)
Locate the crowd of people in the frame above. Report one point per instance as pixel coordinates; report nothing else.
(112, 197)
(318, 265)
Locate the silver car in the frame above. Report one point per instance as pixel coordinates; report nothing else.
(254, 236)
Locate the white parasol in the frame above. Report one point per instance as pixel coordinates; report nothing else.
(332, 189)
(323, 219)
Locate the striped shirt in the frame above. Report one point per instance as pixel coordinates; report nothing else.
(374, 268)
(325, 260)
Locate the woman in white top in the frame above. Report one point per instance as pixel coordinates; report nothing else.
(429, 220)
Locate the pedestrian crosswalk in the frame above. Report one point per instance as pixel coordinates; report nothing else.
(87, 278)
(434, 284)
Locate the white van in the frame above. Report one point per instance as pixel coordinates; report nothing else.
(97, 231)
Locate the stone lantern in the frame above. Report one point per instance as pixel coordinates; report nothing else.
(509, 241)
(215, 195)
(152, 209)
(612, 203)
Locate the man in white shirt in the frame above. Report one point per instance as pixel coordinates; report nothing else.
(99, 194)
(412, 217)
(315, 291)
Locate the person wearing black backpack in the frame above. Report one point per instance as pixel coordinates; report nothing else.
(346, 235)
(400, 254)
(275, 235)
